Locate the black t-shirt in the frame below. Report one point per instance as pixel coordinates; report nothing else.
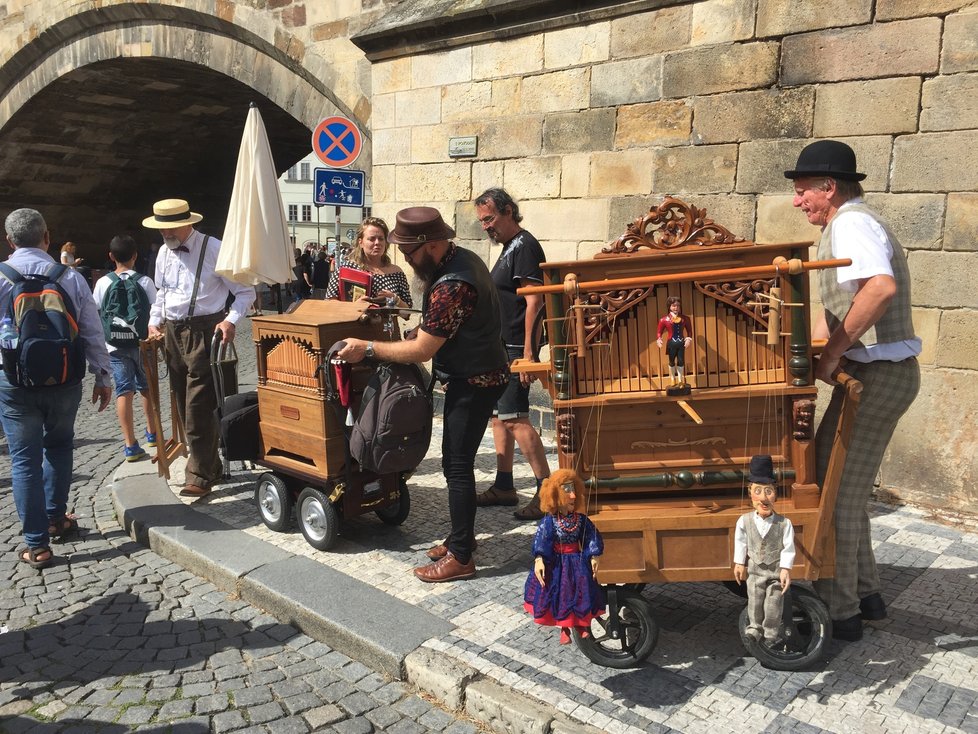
(520, 259)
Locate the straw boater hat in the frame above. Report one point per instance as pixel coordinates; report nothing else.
(419, 224)
(171, 213)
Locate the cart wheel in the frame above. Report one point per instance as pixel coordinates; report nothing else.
(638, 633)
(397, 513)
(806, 632)
(317, 517)
(274, 502)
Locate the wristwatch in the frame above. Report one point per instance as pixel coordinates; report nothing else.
(369, 351)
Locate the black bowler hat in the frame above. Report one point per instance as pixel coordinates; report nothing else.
(761, 470)
(830, 158)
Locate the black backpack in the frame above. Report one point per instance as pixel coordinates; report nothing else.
(49, 352)
(392, 430)
(124, 311)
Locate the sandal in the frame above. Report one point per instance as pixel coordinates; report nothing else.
(532, 510)
(65, 526)
(30, 556)
(496, 496)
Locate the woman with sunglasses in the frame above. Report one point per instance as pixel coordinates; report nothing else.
(369, 254)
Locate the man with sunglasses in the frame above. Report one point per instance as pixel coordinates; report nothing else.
(460, 332)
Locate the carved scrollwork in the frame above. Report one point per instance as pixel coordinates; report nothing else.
(742, 295)
(608, 306)
(802, 419)
(567, 433)
(671, 225)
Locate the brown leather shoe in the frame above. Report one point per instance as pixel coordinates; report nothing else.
(532, 510)
(440, 550)
(194, 490)
(447, 569)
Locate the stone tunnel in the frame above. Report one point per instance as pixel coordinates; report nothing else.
(104, 111)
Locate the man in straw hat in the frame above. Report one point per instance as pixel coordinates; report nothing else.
(190, 306)
(866, 321)
(460, 329)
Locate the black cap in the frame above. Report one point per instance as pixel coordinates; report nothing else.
(830, 158)
(761, 470)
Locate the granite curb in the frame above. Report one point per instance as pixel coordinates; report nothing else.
(378, 630)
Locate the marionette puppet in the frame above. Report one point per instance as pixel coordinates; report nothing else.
(765, 541)
(561, 590)
(678, 329)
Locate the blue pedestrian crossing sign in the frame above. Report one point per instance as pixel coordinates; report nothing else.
(338, 186)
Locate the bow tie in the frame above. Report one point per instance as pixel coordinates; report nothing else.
(181, 248)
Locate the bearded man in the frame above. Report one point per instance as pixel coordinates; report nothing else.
(460, 331)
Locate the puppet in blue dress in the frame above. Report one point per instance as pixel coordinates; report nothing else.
(561, 590)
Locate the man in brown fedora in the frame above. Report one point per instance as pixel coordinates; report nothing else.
(191, 304)
(866, 320)
(460, 331)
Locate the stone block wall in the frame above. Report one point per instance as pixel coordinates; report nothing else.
(588, 126)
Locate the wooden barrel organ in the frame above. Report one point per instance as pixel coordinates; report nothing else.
(666, 472)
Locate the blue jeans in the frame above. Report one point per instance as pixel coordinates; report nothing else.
(467, 412)
(40, 429)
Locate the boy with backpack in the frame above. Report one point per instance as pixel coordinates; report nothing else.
(123, 298)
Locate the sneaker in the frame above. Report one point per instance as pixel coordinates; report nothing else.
(150, 439)
(135, 452)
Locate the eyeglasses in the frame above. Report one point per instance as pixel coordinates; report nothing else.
(568, 488)
(409, 253)
(487, 221)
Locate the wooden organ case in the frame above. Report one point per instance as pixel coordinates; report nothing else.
(300, 434)
(666, 472)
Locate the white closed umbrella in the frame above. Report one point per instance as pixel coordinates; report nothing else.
(256, 246)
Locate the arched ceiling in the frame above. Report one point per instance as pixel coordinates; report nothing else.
(121, 134)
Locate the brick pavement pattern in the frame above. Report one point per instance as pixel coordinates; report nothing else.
(113, 638)
(915, 671)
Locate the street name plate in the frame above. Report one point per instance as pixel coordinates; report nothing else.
(463, 147)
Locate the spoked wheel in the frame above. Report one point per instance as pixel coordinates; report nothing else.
(398, 512)
(275, 503)
(624, 635)
(317, 517)
(806, 630)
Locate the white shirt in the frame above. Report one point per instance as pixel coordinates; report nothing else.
(103, 284)
(175, 274)
(32, 260)
(860, 238)
(763, 525)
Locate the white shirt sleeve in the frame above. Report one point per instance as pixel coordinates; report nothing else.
(788, 546)
(740, 540)
(861, 239)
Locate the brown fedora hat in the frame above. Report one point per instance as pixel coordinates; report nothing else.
(170, 214)
(419, 224)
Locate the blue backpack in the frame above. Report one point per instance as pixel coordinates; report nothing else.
(49, 352)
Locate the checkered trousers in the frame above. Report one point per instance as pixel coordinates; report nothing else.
(888, 390)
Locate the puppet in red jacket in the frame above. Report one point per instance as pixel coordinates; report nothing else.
(678, 330)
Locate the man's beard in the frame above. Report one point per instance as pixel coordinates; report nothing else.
(172, 242)
(423, 274)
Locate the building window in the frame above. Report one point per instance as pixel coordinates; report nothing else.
(293, 212)
(293, 172)
(367, 212)
(307, 212)
(305, 171)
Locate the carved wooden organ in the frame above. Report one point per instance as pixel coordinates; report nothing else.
(666, 467)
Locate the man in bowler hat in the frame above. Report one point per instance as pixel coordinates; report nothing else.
(866, 320)
(460, 331)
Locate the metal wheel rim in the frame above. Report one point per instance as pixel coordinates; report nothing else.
(270, 502)
(314, 518)
(632, 629)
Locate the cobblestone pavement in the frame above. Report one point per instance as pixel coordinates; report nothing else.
(915, 671)
(113, 638)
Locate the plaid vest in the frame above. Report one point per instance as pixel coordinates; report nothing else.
(895, 325)
(765, 550)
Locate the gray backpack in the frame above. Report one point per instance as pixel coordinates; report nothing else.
(392, 429)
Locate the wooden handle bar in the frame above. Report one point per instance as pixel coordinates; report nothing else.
(754, 271)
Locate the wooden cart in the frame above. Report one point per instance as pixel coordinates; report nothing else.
(303, 440)
(665, 465)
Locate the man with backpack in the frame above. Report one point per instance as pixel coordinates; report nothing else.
(460, 331)
(50, 327)
(124, 299)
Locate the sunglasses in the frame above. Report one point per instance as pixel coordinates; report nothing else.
(408, 253)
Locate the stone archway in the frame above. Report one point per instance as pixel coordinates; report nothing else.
(106, 111)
